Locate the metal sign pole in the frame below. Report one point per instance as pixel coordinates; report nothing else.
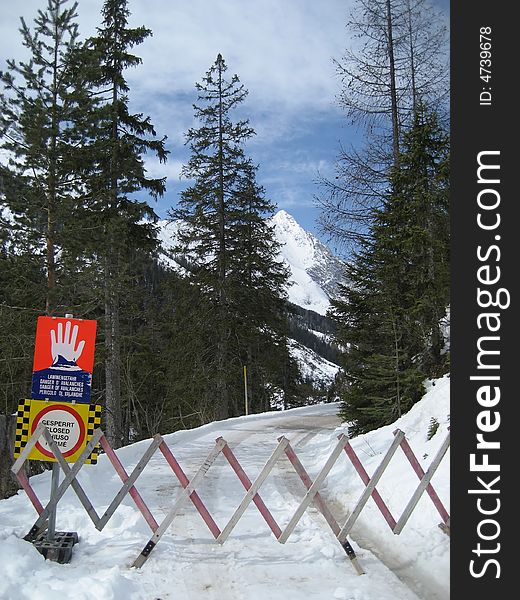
(54, 395)
(55, 480)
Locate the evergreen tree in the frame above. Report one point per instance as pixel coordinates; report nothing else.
(22, 286)
(144, 342)
(417, 256)
(38, 109)
(188, 356)
(37, 112)
(216, 163)
(113, 172)
(258, 297)
(389, 314)
(225, 234)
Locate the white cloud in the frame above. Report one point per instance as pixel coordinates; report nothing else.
(171, 169)
(281, 50)
(307, 167)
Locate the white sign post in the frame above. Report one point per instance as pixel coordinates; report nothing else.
(55, 481)
(60, 381)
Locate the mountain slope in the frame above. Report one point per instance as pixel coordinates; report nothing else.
(313, 276)
(314, 270)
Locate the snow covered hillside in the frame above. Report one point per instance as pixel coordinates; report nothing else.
(251, 565)
(314, 270)
(313, 366)
(314, 274)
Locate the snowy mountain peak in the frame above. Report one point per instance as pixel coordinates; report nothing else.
(300, 246)
(283, 219)
(315, 271)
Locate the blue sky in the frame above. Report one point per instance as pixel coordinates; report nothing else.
(282, 51)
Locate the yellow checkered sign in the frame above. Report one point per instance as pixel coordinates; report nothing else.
(70, 425)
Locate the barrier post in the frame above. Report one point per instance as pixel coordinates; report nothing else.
(55, 480)
(58, 545)
(370, 488)
(320, 504)
(424, 484)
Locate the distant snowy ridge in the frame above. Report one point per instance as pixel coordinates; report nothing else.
(314, 273)
(314, 270)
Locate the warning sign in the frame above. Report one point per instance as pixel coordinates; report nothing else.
(70, 425)
(63, 359)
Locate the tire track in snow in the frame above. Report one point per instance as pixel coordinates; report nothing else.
(425, 590)
(220, 572)
(206, 567)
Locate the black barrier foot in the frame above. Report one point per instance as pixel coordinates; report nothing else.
(59, 549)
(352, 556)
(348, 549)
(33, 533)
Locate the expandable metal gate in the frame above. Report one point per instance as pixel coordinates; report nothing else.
(312, 495)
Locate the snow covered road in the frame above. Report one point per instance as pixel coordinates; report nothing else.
(187, 563)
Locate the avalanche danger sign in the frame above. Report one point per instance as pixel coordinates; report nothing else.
(70, 425)
(63, 359)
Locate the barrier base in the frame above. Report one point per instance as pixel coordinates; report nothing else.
(60, 548)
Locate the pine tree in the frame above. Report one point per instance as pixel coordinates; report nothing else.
(38, 110)
(36, 118)
(258, 299)
(419, 200)
(389, 314)
(144, 366)
(22, 287)
(216, 162)
(113, 172)
(189, 354)
(226, 235)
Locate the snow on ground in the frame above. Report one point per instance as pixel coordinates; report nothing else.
(420, 554)
(312, 365)
(187, 564)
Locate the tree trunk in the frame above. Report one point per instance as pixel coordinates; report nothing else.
(50, 304)
(220, 384)
(397, 367)
(393, 86)
(412, 59)
(113, 360)
(8, 484)
(114, 418)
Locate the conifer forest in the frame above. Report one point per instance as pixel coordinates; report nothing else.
(79, 228)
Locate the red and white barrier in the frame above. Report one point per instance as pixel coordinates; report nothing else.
(312, 494)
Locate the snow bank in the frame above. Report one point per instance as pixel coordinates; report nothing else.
(421, 552)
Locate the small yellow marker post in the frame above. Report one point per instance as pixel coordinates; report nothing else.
(245, 389)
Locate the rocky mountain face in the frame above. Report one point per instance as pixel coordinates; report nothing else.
(314, 276)
(315, 271)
